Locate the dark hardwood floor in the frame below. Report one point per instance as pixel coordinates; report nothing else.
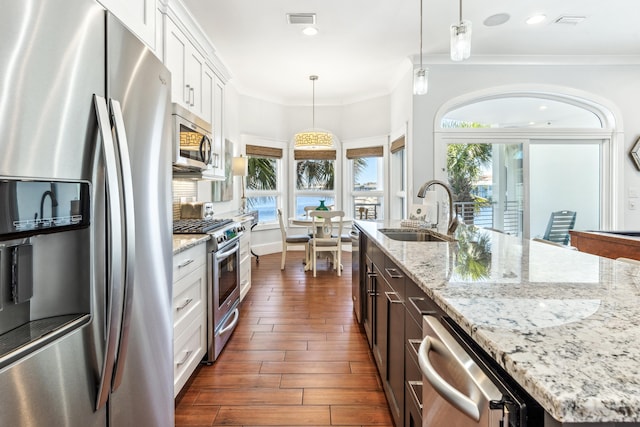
(297, 357)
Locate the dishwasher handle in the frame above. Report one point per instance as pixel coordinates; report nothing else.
(446, 390)
(444, 344)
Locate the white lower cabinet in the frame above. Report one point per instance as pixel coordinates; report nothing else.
(189, 313)
(245, 259)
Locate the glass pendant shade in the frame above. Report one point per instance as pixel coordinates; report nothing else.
(461, 41)
(420, 81)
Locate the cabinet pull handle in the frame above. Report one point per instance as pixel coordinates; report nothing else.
(185, 358)
(412, 387)
(185, 263)
(186, 94)
(393, 301)
(393, 273)
(192, 97)
(186, 303)
(372, 274)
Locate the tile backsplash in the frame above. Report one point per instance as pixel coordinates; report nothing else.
(183, 188)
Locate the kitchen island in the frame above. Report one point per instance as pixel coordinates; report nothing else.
(565, 325)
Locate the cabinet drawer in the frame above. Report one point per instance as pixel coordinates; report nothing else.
(189, 296)
(395, 277)
(418, 303)
(245, 250)
(187, 261)
(189, 349)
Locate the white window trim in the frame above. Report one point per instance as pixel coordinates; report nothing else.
(281, 190)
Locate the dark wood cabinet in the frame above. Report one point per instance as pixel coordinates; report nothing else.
(381, 323)
(394, 381)
(369, 300)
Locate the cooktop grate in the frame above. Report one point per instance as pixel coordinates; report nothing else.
(198, 226)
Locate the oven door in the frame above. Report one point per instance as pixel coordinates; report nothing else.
(226, 280)
(224, 297)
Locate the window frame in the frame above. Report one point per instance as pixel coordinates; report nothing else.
(279, 193)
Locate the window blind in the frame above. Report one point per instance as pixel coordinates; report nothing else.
(314, 154)
(356, 153)
(258, 151)
(397, 145)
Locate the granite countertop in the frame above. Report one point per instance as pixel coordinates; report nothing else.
(564, 324)
(182, 242)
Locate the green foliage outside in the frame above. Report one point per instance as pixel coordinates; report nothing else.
(465, 163)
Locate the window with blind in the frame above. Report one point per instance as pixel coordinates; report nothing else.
(315, 179)
(367, 186)
(264, 191)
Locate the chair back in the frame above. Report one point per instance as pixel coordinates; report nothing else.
(283, 229)
(559, 225)
(327, 226)
(308, 210)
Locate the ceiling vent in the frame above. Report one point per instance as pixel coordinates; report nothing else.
(570, 19)
(301, 18)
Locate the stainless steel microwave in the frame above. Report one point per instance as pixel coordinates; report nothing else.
(192, 141)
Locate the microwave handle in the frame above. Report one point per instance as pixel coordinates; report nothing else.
(205, 140)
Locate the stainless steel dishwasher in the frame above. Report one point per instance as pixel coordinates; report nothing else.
(462, 388)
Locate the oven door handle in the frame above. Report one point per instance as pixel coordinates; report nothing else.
(236, 317)
(223, 255)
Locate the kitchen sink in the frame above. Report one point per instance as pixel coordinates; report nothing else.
(408, 235)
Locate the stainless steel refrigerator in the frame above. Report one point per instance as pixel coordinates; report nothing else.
(85, 237)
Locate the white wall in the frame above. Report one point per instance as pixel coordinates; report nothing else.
(616, 86)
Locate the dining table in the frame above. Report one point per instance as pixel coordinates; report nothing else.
(308, 222)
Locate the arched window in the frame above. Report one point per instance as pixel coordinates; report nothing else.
(513, 159)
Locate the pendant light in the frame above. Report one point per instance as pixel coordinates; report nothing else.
(420, 75)
(461, 39)
(313, 138)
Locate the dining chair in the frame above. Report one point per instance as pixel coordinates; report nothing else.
(291, 240)
(560, 223)
(327, 237)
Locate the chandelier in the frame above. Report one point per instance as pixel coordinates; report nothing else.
(313, 138)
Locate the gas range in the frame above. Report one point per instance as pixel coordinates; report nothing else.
(198, 226)
(223, 231)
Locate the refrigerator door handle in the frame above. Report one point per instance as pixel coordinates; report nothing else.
(114, 255)
(129, 243)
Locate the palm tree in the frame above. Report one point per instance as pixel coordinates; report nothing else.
(316, 174)
(464, 163)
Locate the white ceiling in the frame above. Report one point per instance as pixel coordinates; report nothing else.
(363, 46)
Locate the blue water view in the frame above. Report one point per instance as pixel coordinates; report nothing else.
(267, 210)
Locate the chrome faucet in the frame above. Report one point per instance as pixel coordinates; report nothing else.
(453, 220)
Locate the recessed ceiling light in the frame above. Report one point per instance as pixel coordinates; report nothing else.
(543, 107)
(497, 19)
(536, 19)
(532, 123)
(310, 31)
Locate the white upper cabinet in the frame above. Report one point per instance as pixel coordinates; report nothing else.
(138, 15)
(218, 126)
(187, 66)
